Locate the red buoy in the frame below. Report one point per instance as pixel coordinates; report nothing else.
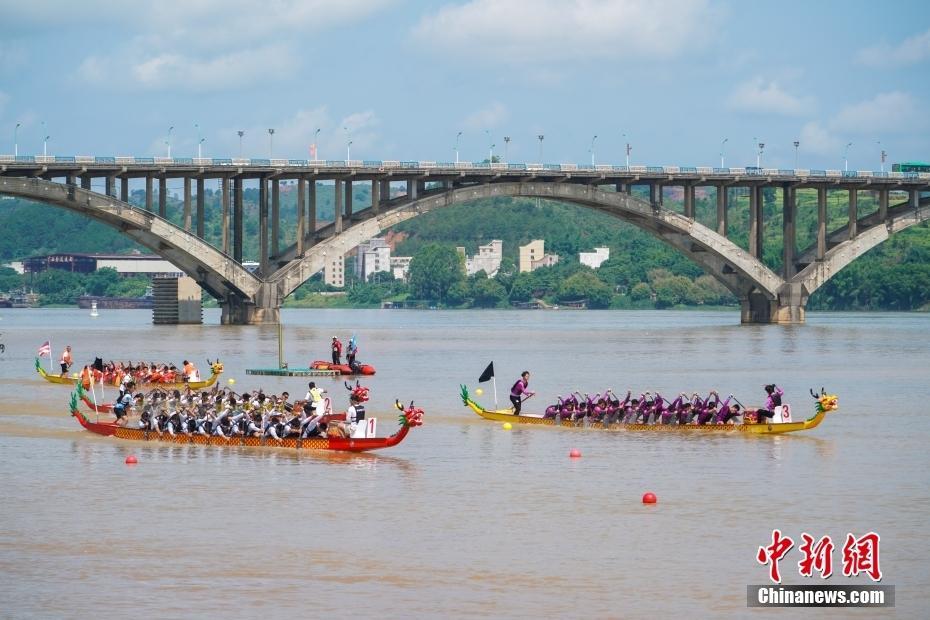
(575, 453)
(649, 498)
(131, 460)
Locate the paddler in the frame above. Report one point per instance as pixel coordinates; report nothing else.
(315, 397)
(519, 391)
(772, 400)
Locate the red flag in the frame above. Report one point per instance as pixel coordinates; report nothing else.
(46, 349)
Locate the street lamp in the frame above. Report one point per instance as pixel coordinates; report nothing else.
(15, 141)
(540, 137)
(44, 133)
(456, 147)
(490, 147)
(316, 143)
(846, 157)
(629, 149)
(593, 140)
(199, 149)
(241, 133)
(270, 143)
(722, 144)
(45, 146)
(168, 140)
(883, 154)
(506, 146)
(796, 145)
(348, 145)
(759, 155)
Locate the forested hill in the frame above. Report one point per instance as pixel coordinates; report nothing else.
(894, 276)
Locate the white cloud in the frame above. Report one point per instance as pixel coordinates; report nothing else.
(816, 138)
(527, 31)
(912, 50)
(487, 117)
(205, 45)
(886, 112)
(764, 97)
(294, 135)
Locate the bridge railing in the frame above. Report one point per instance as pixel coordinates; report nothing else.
(461, 165)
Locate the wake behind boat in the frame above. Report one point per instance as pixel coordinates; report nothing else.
(824, 404)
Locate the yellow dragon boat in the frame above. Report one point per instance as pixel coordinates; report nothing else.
(216, 369)
(824, 404)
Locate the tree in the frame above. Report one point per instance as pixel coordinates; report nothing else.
(585, 285)
(675, 290)
(523, 287)
(488, 293)
(101, 281)
(9, 279)
(434, 270)
(640, 292)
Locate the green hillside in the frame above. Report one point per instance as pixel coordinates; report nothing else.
(641, 272)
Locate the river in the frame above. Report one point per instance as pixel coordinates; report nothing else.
(464, 518)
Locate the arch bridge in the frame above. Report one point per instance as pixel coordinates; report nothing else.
(246, 297)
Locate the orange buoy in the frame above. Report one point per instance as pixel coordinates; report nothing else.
(649, 498)
(131, 460)
(575, 453)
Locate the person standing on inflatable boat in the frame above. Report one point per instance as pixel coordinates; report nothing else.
(337, 351)
(519, 391)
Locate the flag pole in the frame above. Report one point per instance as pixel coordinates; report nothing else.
(93, 392)
(50, 356)
(494, 379)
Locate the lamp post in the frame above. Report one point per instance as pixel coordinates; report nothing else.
(199, 148)
(883, 155)
(15, 140)
(45, 146)
(629, 149)
(846, 157)
(270, 143)
(348, 145)
(722, 144)
(506, 147)
(197, 127)
(797, 144)
(316, 144)
(168, 140)
(593, 140)
(490, 147)
(759, 155)
(44, 133)
(540, 137)
(241, 133)
(456, 147)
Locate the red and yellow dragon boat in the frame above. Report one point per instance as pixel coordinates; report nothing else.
(409, 417)
(216, 369)
(824, 404)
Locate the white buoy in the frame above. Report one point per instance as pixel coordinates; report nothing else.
(93, 308)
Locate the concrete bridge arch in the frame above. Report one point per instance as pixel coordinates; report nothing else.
(747, 277)
(220, 275)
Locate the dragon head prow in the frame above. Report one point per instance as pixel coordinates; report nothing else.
(825, 402)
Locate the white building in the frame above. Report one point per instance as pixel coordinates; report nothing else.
(373, 256)
(488, 259)
(400, 265)
(594, 259)
(334, 268)
(533, 256)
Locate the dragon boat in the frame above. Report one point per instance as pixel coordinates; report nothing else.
(409, 417)
(825, 403)
(216, 369)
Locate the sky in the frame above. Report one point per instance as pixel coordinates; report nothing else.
(400, 80)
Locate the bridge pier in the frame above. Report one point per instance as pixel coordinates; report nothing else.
(788, 309)
(238, 311)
